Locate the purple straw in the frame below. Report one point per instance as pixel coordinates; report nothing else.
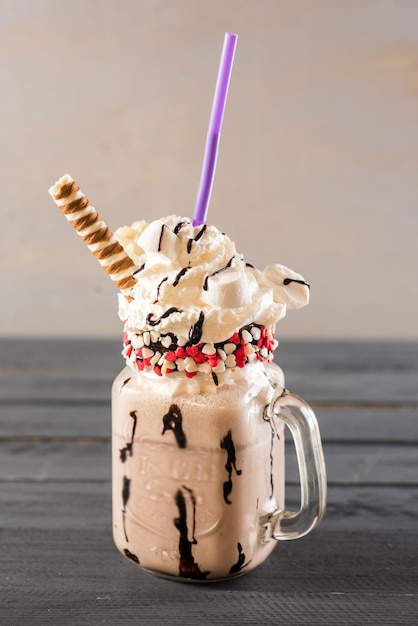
(214, 131)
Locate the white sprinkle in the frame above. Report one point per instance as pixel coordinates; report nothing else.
(180, 365)
(146, 337)
(166, 341)
(137, 341)
(155, 358)
(147, 353)
(219, 368)
(256, 332)
(162, 360)
(251, 357)
(205, 368)
(209, 348)
(154, 336)
(249, 349)
(229, 348)
(190, 364)
(222, 354)
(263, 351)
(230, 361)
(247, 336)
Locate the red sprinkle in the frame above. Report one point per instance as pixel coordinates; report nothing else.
(140, 364)
(157, 370)
(200, 358)
(240, 351)
(235, 339)
(180, 353)
(190, 374)
(170, 356)
(192, 351)
(213, 360)
(240, 360)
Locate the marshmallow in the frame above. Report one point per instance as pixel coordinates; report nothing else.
(159, 240)
(288, 287)
(227, 289)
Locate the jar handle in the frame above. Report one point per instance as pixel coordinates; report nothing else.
(303, 425)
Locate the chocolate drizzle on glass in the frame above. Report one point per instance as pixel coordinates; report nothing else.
(188, 568)
(154, 322)
(131, 556)
(228, 445)
(123, 452)
(126, 487)
(287, 281)
(240, 564)
(173, 420)
(226, 267)
(196, 330)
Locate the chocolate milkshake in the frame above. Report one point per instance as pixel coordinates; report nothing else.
(198, 446)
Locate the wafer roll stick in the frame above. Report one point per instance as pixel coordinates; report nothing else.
(94, 232)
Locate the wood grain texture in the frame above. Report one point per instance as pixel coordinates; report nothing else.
(57, 560)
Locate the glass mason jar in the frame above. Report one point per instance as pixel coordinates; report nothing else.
(198, 477)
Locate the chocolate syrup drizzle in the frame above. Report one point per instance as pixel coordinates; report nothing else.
(287, 281)
(173, 421)
(195, 333)
(227, 266)
(240, 564)
(158, 289)
(198, 236)
(123, 452)
(179, 226)
(131, 556)
(126, 487)
(138, 270)
(188, 568)
(180, 275)
(154, 322)
(160, 241)
(228, 445)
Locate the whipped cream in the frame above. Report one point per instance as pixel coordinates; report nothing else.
(192, 277)
(197, 307)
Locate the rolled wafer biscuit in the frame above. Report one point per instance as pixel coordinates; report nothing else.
(94, 232)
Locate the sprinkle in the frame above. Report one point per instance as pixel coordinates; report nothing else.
(256, 332)
(230, 360)
(154, 335)
(137, 341)
(229, 348)
(147, 338)
(170, 356)
(205, 368)
(235, 338)
(147, 353)
(222, 354)
(190, 365)
(190, 374)
(166, 341)
(180, 365)
(219, 368)
(209, 348)
(247, 336)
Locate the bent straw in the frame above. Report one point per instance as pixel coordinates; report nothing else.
(214, 131)
(94, 232)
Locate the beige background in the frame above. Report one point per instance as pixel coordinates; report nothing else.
(318, 158)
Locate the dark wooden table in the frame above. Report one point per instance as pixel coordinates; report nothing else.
(58, 562)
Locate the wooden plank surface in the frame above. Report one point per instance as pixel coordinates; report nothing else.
(57, 561)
